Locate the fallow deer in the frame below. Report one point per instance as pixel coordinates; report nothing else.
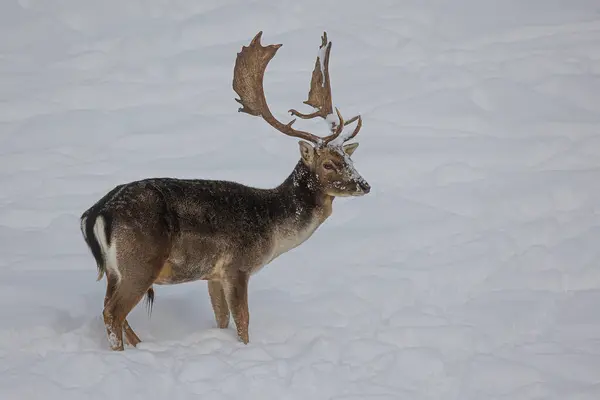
(168, 231)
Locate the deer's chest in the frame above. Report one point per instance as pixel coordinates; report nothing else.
(288, 236)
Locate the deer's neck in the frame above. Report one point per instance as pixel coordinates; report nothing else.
(307, 197)
(306, 206)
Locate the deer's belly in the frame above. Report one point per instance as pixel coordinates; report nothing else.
(172, 274)
(193, 259)
(176, 271)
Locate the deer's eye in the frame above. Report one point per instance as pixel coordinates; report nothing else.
(328, 166)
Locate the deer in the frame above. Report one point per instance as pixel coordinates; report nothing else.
(167, 231)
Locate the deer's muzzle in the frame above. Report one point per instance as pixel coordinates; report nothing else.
(364, 186)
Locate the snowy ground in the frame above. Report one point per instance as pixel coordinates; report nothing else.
(469, 273)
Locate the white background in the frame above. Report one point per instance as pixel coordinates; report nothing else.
(470, 272)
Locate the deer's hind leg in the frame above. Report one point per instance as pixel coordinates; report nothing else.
(115, 336)
(136, 279)
(111, 285)
(130, 335)
(125, 297)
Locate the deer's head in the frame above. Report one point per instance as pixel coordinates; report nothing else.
(327, 157)
(334, 169)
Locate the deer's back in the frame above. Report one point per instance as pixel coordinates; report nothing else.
(199, 206)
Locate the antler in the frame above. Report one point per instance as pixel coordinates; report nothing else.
(337, 131)
(319, 95)
(248, 76)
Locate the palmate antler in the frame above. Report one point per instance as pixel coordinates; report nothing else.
(319, 96)
(248, 75)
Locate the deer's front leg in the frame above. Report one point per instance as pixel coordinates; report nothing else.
(236, 293)
(219, 303)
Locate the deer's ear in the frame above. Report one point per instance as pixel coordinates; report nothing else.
(307, 152)
(349, 148)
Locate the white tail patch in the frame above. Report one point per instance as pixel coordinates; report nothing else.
(109, 253)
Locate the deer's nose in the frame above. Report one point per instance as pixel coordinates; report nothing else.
(365, 187)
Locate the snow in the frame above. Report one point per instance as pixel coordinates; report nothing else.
(470, 271)
(345, 135)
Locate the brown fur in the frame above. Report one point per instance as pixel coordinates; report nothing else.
(219, 303)
(165, 275)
